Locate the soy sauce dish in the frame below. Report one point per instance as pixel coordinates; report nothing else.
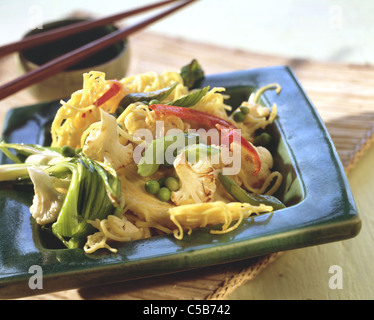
(113, 60)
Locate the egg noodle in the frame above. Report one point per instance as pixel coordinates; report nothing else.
(81, 123)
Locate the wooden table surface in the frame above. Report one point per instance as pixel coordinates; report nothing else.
(344, 96)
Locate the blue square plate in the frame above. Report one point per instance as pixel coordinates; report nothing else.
(320, 206)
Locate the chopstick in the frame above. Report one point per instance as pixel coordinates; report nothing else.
(67, 60)
(62, 32)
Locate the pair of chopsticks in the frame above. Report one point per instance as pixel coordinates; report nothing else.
(67, 60)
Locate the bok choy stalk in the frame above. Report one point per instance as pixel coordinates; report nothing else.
(87, 189)
(26, 156)
(94, 193)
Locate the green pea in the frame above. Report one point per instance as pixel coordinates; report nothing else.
(152, 186)
(78, 151)
(164, 194)
(154, 101)
(263, 140)
(239, 116)
(161, 182)
(172, 184)
(67, 151)
(244, 110)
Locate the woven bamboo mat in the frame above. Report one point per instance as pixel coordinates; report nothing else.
(343, 95)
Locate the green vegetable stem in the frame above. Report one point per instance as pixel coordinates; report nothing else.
(243, 196)
(162, 151)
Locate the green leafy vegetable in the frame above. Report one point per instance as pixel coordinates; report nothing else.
(93, 189)
(159, 95)
(191, 99)
(192, 74)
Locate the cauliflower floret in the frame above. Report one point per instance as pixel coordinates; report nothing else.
(102, 144)
(47, 201)
(197, 181)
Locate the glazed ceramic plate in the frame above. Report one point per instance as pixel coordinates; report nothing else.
(320, 207)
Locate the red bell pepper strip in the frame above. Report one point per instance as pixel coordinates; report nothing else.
(192, 115)
(114, 88)
(207, 119)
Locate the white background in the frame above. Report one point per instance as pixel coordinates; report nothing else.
(325, 30)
